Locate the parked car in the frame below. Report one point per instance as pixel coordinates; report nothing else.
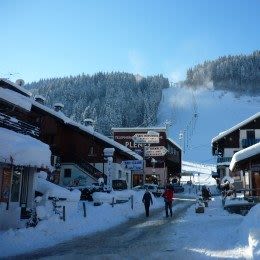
(138, 187)
(153, 188)
(86, 192)
(119, 184)
(96, 186)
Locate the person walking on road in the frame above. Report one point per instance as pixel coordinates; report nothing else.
(147, 200)
(168, 199)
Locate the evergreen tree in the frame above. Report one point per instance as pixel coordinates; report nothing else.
(111, 99)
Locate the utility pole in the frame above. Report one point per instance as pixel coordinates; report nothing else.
(182, 138)
(143, 147)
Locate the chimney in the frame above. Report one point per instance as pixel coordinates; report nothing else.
(40, 99)
(89, 122)
(20, 82)
(58, 107)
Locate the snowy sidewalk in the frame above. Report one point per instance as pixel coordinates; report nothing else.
(53, 231)
(215, 234)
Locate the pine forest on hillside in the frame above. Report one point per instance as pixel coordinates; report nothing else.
(239, 73)
(111, 99)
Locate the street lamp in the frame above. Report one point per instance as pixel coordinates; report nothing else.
(108, 155)
(153, 161)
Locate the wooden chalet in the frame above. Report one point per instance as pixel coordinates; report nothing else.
(247, 161)
(77, 150)
(227, 143)
(157, 168)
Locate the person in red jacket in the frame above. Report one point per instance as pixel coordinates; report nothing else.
(168, 199)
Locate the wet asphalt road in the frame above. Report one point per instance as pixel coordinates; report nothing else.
(138, 238)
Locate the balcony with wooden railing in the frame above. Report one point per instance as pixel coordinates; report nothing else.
(223, 160)
(248, 142)
(18, 126)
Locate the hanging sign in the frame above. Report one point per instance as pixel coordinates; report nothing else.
(135, 165)
(153, 151)
(149, 138)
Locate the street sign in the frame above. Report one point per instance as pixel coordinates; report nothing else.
(149, 138)
(135, 165)
(153, 151)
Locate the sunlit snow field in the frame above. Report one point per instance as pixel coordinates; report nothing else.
(217, 111)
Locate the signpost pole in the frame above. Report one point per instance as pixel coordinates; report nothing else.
(150, 137)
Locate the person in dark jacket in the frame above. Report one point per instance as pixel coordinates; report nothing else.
(205, 193)
(168, 199)
(147, 200)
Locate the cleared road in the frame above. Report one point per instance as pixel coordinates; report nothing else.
(139, 238)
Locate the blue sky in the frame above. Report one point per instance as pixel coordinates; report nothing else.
(42, 39)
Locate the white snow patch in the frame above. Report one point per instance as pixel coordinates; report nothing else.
(23, 149)
(53, 230)
(15, 99)
(244, 154)
(54, 190)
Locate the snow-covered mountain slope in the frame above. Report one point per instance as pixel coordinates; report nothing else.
(200, 174)
(198, 167)
(203, 114)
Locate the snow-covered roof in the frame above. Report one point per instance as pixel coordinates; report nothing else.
(244, 154)
(138, 129)
(15, 98)
(87, 129)
(58, 105)
(26, 103)
(169, 139)
(39, 97)
(23, 150)
(232, 129)
(115, 144)
(14, 85)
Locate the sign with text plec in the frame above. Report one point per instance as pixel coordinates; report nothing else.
(134, 165)
(154, 151)
(152, 138)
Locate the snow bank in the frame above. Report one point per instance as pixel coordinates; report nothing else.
(23, 149)
(249, 230)
(53, 190)
(46, 207)
(235, 201)
(53, 231)
(103, 197)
